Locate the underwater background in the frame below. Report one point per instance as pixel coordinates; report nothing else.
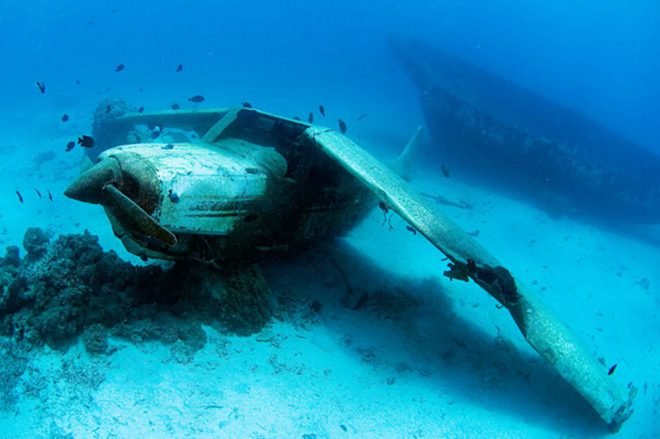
(425, 357)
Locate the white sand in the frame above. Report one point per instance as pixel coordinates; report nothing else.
(452, 366)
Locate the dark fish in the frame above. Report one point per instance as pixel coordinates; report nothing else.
(246, 105)
(50, 196)
(20, 197)
(412, 230)
(108, 108)
(42, 87)
(174, 198)
(64, 118)
(179, 67)
(77, 81)
(342, 126)
(86, 141)
(175, 106)
(70, 146)
(310, 118)
(38, 193)
(139, 89)
(168, 146)
(296, 118)
(361, 117)
(445, 171)
(196, 98)
(612, 369)
(140, 110)
(119, 67)
(322, 110)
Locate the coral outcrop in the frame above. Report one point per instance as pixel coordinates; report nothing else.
(71, 287)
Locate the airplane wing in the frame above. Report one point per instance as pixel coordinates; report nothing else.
(469, 260)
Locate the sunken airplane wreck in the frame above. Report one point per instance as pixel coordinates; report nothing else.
(509, 137)
(232, 183)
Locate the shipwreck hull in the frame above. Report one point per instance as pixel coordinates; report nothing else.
(492, 130)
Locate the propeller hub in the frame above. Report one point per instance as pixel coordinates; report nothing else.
(128, 172)
(88, 187)
(128, 186)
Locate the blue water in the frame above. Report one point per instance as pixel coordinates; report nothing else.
(600, 58)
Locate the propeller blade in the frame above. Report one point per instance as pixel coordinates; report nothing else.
(135, 218)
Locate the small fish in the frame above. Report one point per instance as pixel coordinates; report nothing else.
(175, 106)
(310, 118)
(20, 197)
(342, 126)
(411, 230)
(174, 198)
(38, 193)
(140, 110)
(296, 118)
(42, 87)
(445, 171)
(86, 141)
(64, 118)
(108, 108)
(322, 110)
(612, 369)
(179, 67)
(119, 67)
(361, 117)
(139, 89)
(246, 105)
(168, 146)
(70, 146)
(196, 98)
(77, 81)
(50, 196)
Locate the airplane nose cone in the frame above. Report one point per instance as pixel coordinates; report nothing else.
(128, 186)
(88, 187)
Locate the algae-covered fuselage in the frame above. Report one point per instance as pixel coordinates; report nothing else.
(216, 184)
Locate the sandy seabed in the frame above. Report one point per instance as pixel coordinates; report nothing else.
(421, 357)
